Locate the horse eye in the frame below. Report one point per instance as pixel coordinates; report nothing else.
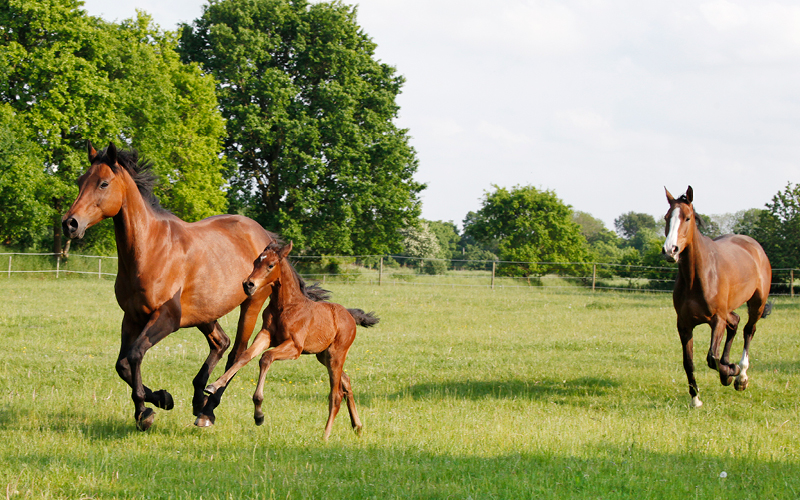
(103, 185)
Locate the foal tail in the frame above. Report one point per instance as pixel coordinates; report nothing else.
(364, 319)
(767, 309)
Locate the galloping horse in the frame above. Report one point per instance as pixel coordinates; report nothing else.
(714, 278)
(172, 274)
(294, 325)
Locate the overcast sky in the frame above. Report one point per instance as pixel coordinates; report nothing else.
(603, 102)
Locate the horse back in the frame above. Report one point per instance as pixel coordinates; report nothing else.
(330, 324)
(742, 269)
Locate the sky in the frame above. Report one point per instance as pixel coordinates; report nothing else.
(603, 102)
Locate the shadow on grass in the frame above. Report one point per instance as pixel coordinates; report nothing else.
(401, 471)
(87, 423)
(511, 389)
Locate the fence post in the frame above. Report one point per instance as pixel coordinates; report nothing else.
(380, 273)
(791, 282)
(9, 266)
(493, 269)
(58, 264)
(594, 275)
(100, 268)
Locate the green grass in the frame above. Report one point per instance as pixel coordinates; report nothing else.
(464, 393)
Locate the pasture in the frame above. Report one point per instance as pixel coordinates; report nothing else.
(464, 393)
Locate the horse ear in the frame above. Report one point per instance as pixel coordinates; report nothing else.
(689, 194)
(285, 250)
(92, 152)
(111, 152)
(670, 198)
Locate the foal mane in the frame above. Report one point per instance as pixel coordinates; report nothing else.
(141, 172)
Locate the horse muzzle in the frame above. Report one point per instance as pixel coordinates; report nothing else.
(671, 255)
(72, 228)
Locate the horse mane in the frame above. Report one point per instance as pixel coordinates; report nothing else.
(313, 292)
(141, 172)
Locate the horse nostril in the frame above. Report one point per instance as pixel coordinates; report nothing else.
(675, 249)
(249, 287)
(73, 223)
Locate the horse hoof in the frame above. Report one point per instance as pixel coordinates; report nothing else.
(210, 390)
(741, 385)
(146, 419)
(164, 400)
(259, 420)
(358, 430)
(696, 403)
(727, 381)
(203, 421)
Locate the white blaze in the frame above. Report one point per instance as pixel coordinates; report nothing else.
(672, 236)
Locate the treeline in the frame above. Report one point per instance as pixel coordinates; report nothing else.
(525, 225)
(274, 109)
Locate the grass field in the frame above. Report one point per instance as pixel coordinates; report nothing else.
(465, 393)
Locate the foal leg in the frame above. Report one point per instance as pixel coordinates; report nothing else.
(206, 417)
(218, 342)
(687, 342)
(286, 350)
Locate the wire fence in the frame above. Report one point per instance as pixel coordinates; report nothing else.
(396, 270)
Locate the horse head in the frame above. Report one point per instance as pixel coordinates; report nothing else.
(266, 268)
(101, 193)
(680, 223)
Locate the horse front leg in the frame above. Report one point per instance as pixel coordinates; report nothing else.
(726, 372)
(163, 321)
(687, 342)
(218, 342)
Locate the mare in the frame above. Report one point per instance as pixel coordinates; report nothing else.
(714, 278)
(294, 325)
(172, 274)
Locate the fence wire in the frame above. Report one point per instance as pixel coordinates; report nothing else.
(401, 270)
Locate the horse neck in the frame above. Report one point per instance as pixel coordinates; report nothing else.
(693, 261)
(288, 290)
(133, 225)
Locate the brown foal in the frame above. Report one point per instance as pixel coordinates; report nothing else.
(294, 325)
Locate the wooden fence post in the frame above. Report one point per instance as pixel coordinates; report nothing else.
(9, 266)
(594, 275)
(494, 264)
(791, 282)
(100, 268)
(380, 273)
(58, 264)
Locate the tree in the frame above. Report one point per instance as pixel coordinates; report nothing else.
(447, 236)
(592, 228)
(778, 228)
(69, 77)
(528, 225)
(23, 183)
(313, 147)
(630, 223)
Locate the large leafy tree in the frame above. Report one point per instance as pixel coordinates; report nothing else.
(777, 228)
(526, 224)
(69, 77)
(311, 136)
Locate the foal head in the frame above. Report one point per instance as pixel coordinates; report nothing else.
(680, 223)
(266, 268)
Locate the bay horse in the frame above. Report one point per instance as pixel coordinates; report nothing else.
(294, 325)
(172, 274)
(714, 278)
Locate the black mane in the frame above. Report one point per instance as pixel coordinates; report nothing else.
(141, 172)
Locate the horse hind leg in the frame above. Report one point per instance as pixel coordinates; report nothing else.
(351, 404)
(756, 308)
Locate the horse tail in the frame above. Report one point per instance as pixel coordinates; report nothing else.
(364, 319)
(314, 292)
(767, 309)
